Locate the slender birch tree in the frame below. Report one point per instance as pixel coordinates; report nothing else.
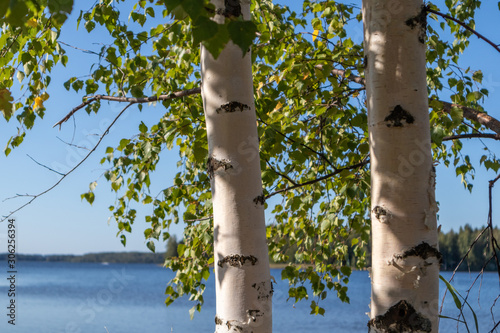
(405, 256)
(242, 276)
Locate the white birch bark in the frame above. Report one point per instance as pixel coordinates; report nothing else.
(243, 282)
(405, 256)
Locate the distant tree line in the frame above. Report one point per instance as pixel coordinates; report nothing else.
(108, 257)
(453, 246)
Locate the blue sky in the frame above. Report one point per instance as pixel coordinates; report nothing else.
(59, 222)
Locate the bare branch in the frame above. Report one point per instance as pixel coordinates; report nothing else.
(177, 94)
(336, 172)
(448, 17)
(34, 197)
(472, 135)
(71, 144)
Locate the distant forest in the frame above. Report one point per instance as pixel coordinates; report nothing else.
(110, 257)
(453, 246)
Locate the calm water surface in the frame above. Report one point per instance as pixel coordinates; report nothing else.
(74, 298)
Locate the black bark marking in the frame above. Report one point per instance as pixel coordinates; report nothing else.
(232, 8)
(423, 250)
(232, 107)
(420, 22)
(213, 164)
(264, 293)
(229, 323)
(254, 314)
(261, 199)
(237, 260)
(396, 117)
(379, 212)
(401, 317)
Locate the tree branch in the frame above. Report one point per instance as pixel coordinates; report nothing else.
(472, 135)
(132, 100)
(43, 165)
(336, 172)
(279, 173)
(200, 219)
(448, 17)
(475, 115)
(34, 197)
(469, 113)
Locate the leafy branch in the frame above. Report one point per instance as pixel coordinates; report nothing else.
(465, 26)
(132, 100)
(469, 113)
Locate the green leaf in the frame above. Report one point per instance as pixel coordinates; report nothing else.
(458, 304)
(137, 92)
(437, 134)
(89, 196)
(151, 246)
(194, 8)
(204, 29)
(215, 44)
(16, 14)
(242, 33)
(453, 292)
(5, 103)
(123, 240)
(457, 116)
(150, 11)
(4, 5)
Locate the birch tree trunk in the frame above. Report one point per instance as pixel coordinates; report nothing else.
(243, 282)
(405, 256)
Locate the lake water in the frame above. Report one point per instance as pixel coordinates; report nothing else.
(119, 298)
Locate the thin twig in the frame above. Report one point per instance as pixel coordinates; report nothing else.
(320, 154)
(460, 264)
(71, 144)
(279, 173)
(34, 197)
(43, 165)
(337, 171)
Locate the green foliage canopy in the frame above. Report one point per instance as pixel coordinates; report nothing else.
(310, 108)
